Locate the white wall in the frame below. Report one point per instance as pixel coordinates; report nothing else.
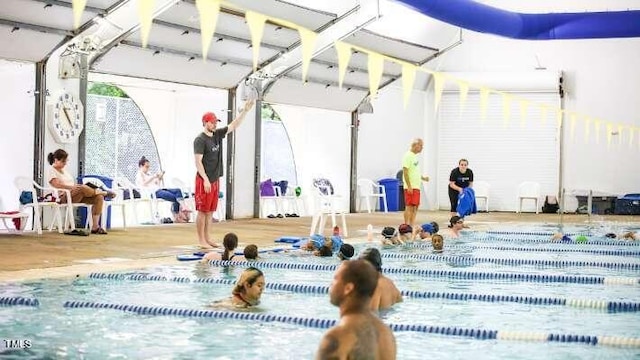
(17, 82)
(386, 135)
(602, 80)
(320, 140)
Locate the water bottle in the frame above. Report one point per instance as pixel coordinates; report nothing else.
(369, 232)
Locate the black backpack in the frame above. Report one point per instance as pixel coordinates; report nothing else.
(550, 205)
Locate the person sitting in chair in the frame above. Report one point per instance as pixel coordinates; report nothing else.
(153, 182)
(59, 178)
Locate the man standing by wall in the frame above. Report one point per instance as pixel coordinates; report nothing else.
(207, 148)
(411, 180)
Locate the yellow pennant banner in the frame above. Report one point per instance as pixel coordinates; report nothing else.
(408, 79)
(78, 9)
(484, 101)
(572, 125)
(256, 23)
(344, 56)
(620, 131)
(506, 109)
(524, 110)
(209, 11)
(308, 39)
(376, 66)
(438, 86)
(145, 11)
(464, 92)
(587, 128)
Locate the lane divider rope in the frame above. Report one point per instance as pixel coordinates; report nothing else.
(480, 334)
(461, 260)
(491, 238)
(18, 301)
(573, 279)
(611, 306)
(579, 249)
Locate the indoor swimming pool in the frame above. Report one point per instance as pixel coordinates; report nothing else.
(513, 297)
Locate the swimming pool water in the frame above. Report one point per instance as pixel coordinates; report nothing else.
(57, 332)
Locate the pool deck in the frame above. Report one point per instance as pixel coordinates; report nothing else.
(28, 256)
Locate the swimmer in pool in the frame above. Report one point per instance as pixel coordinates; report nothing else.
(247, 291)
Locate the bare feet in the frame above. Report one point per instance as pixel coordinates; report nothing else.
(212, 244)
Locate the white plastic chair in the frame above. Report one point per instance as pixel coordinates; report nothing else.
(266, 199)
(146, 197)
(481, 189)
(326, 204)
(528, 190)
(28, 185)
(369, 190)
(119, 200)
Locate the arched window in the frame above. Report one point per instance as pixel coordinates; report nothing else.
(278, 162)
(117, 134)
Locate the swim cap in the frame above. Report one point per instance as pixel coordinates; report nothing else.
(372, 255)
(346, 251)
(388, 232)
(405, 229)
(427, 228)
(566, 239)
(581, 239)
(317, 240)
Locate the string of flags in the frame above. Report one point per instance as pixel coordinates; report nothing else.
(210, 9)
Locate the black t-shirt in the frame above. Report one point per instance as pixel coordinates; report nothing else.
(461, 180)
(211, 149)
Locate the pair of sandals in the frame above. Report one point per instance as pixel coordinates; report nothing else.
(271, 216)
(99, 231)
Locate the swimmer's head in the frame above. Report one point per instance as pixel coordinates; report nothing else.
(372, 255)
(437, 242)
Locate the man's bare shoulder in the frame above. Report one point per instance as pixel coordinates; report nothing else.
(331, 344)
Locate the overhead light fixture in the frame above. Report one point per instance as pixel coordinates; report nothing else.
(15, 28)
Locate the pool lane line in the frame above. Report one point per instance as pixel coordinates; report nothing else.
(480, 334)
(580, 249)
(18, 301)
(466, 260)
(456, 274)
(610, 306)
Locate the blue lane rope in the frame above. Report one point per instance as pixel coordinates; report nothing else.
(534, 233)
(460, 260)
(580, 249)
(480, 334)
(549, 240)
(18, 301)
(573, 279)
(611, 306)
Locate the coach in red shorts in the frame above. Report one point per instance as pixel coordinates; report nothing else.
(207, 148)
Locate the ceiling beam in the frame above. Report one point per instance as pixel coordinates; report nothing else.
(70, 5)
(188, 54)
(17, 25)
(345, 86)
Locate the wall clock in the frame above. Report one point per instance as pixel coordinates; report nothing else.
(66, 118)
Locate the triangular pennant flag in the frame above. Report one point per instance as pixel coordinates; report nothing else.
(145, 11)
(208, 10)
(572, 125)
(344, 55)
(256, 28)
(620, 131)
(78, 9)
(464, 92)
(506, 109)
(609, 134)
(308, 39)
(408, 79)
(438, 86)
(596, 126)
(484, 100)
(587, 128)
(376, 66)
(524, 110)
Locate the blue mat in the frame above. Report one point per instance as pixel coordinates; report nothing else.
(289, 239)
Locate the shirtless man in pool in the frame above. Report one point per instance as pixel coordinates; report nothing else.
(359, 334)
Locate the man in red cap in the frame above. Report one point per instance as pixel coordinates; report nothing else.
(207, 148)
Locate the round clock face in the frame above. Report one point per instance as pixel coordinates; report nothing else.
(66, 118)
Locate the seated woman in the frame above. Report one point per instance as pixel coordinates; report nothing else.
(59, 178)
(247, 291)
(153, 182)
(230, 243)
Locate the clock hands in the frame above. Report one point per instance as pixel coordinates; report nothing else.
(66, 115)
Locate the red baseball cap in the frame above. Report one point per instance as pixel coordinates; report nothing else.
(209, 117)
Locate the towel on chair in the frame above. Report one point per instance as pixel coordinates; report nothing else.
(467, 202)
